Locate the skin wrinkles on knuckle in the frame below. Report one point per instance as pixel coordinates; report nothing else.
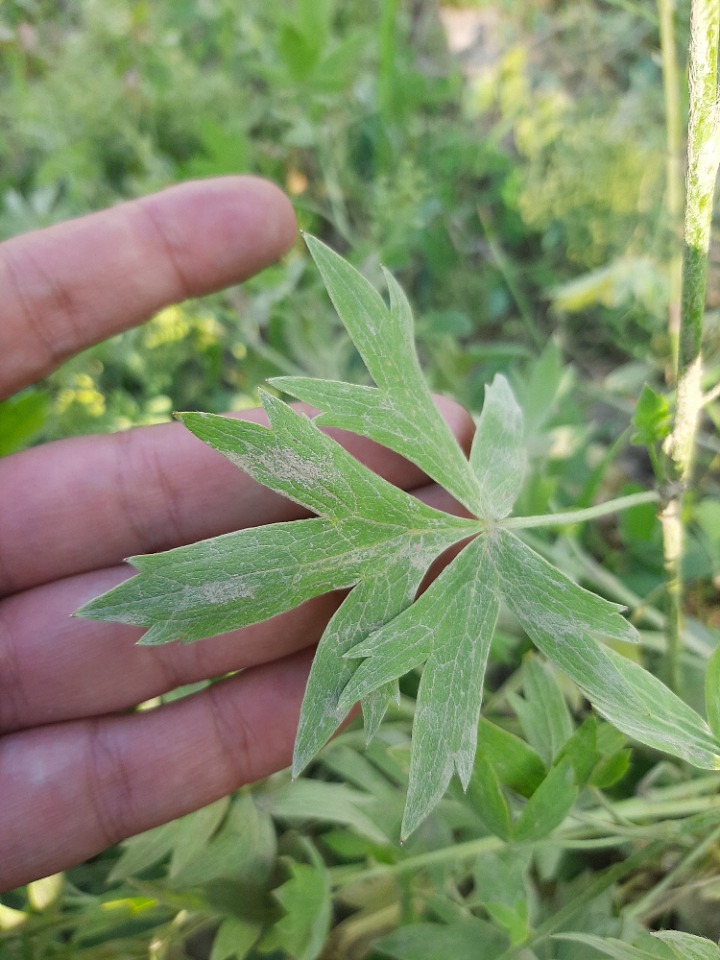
(134, 460)
(46, 306)
(7, 580)
(13, 697)
(109, 784)
(233, 735)
(154, 223)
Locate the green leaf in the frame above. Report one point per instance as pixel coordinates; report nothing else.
(399, 412)
(543, 713)
(486, 796)
(242, 849)
(581, 750)
(21, 419)
(466, 940)
(377, 541)
(234, 939)
(227, 839)
(500, 885)
(196, 830)
(651, 419)
(517, 765)
(450, 626)
(562, 619)
(539, 398)
(338, 66)
(299, 51)
(686, 946)
(315, 800)
(617, 949)
(501, 877)
(611, 769)
(549, 805)
(241, 578)
(712, 692)
(314, 18)
(219, 585)
(294, 458)
(498, 455)
(372, 603)
(639, 524)
(306, 899)
(145, 850)
(449, 697)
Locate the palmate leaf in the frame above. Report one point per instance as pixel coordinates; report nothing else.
(379, 541)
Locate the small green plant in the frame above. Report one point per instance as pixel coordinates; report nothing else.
(369, 536)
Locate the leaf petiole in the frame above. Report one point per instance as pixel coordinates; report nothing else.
(587, 513)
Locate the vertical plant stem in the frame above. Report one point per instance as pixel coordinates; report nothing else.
(702, 164)
(674, 164)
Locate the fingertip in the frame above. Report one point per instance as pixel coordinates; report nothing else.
(222, 230)
(271, 211)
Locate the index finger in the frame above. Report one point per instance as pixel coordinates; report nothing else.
(71, 285)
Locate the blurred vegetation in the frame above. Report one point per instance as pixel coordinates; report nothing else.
(513, 178)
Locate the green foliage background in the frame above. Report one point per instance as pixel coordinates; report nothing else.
(516, 189)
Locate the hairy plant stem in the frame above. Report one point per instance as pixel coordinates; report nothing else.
(702, 163)
(673, 165)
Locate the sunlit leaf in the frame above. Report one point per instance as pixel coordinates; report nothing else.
(449, 628)
(399, 411)
(564, 620)
(378, 542)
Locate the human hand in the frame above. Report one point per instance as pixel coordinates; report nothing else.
(78, 770)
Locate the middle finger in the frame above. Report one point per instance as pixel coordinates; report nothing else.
(87, 503)
(55, 668)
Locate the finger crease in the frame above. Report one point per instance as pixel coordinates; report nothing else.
(126, 498)
(109, 783)
(171, 508)
(167, 246)
(140, 469)
(236, 741)
(46, 313)
(13, 698)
